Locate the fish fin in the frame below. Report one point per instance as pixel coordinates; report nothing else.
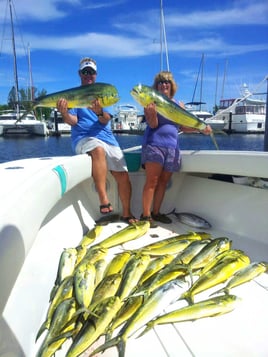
(53, 291)
(61, 336)
(42, 328)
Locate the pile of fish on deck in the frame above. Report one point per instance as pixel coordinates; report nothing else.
(92, 297)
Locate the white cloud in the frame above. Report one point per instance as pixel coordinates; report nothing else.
(249, 14)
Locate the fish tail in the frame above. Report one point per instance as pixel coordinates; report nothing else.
(188, 297)
(116, 341)
(172, 212)
(121, 348)
(212, 136)
(216, 131)
(148, 327)
(220, 291)
(190, 271)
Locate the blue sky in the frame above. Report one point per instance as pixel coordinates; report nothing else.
(124, 38)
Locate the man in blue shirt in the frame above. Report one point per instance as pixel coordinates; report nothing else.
(91, 133)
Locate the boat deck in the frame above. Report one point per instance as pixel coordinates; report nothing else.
(243, 332)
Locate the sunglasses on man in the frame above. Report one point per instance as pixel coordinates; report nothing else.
(87, 71)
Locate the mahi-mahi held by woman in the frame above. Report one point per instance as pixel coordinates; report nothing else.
(145, 95)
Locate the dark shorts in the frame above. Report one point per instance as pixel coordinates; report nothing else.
(170, 159)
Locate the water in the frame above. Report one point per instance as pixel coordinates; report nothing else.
(15, 148)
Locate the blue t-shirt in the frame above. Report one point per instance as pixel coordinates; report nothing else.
(88, 125)
(165, 135)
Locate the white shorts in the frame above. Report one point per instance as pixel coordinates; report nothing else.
(114, 155)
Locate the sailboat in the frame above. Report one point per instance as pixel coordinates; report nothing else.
(195, 107)
(10, 122)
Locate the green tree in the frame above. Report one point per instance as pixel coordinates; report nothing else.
(3, 107)
(11, 100)
(26, 103)
(42, 113)
(25, 97)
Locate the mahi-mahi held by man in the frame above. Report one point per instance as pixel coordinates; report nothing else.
(80, 97)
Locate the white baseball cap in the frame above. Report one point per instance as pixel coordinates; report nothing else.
(87, 63)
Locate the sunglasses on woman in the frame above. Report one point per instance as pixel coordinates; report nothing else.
(164, 82)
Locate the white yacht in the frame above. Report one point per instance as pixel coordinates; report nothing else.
(243, 114)
(126, 118)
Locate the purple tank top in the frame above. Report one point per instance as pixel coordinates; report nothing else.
(165, 135)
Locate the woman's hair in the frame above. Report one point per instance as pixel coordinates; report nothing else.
(166, 76)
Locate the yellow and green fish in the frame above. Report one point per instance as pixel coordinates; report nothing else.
(82, 96)
(206, 308)
(145, 95)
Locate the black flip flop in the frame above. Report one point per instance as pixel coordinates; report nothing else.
(128, 219)
(108, 205)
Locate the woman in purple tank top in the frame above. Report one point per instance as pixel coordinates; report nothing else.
(160, 151)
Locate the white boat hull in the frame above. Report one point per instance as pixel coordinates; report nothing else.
(30, 127)
(48, 204)
(247, 123)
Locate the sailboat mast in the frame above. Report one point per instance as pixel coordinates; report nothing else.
(224, 78)
(201, 83)
(216, 89)
(163, 38)
(30, 74)
(15, 60)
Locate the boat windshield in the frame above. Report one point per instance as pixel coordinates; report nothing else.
(226, 103)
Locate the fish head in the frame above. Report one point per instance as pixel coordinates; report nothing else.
(109, 99)
(107, 94)
(144, 95)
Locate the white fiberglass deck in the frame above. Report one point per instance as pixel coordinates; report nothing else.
(243, 332)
